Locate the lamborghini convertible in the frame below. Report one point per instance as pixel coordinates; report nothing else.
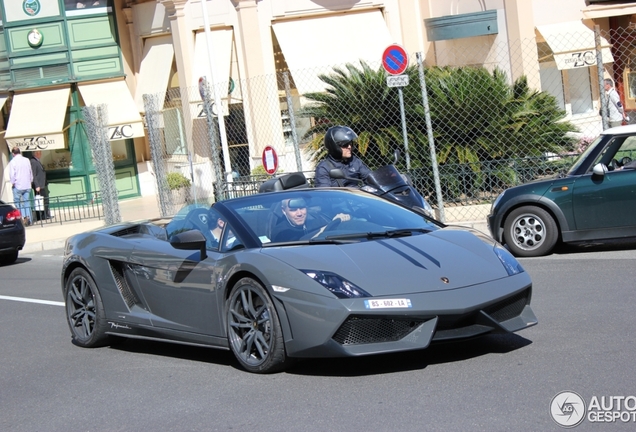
(357, 275)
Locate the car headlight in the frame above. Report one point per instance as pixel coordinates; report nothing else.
(509, 262)
(496, 201)
(338, 285)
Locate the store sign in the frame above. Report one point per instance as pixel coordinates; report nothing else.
(31, 7)
(42, 142)
(125, 131)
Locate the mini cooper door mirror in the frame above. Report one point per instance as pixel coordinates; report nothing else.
(599, 169)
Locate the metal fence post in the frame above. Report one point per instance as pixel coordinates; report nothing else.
(292, 121)
(431, 141)
(601, 85)
(157, 156)
(214, 141)
(96, 121)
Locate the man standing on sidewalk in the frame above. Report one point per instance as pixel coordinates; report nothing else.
(40, 187)
(21, 177)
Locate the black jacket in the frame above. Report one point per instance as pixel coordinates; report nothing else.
(353, 168)
(39, 174)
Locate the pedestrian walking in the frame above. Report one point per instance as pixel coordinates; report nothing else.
(21, 178)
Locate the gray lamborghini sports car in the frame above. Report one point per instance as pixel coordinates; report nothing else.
(292, 274)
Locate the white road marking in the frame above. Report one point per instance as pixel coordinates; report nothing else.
(28, 300)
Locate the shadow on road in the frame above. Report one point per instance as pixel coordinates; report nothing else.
(438, 353)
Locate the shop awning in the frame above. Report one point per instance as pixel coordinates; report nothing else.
(221, 41)
(154, 73)
(573, 44)
(314, 46)
(36, 120)
(124, 120)
(608, 10)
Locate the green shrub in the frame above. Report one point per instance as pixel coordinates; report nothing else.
(176, 180)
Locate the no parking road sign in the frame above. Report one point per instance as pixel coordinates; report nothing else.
(395, 60)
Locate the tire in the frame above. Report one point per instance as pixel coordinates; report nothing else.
(9, 258)
(85, 311)
(253, 328)
(530, 232)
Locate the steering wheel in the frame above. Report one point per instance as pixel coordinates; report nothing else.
(625, 160)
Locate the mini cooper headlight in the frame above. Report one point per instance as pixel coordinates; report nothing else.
(338, 285)
(509, 262)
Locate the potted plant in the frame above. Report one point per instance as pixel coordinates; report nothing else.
(179, 186)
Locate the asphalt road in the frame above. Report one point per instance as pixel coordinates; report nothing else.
(585, 342)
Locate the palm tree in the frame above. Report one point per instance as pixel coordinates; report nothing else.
(477, 116)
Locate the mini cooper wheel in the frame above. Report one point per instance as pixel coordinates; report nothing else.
(253, 328)
(84, 310)
(530, 231)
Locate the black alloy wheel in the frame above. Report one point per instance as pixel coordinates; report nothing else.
(84, 310)
(253, 328)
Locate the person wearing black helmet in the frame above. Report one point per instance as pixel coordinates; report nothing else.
(339, 142)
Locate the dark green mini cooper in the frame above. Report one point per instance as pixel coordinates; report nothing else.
(594, 200)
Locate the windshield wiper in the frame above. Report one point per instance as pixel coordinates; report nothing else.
(404, 232)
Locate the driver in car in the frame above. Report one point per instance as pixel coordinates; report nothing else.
(294, 224)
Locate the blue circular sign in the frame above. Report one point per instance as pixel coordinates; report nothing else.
(395, 60)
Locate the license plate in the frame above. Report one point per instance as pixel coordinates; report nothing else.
(387, 303)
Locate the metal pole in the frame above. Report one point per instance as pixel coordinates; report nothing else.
(601, 85)
(431, 141)
(157, 154)
(404, 135)
(217, 97)
(292, 121)
(216, 162)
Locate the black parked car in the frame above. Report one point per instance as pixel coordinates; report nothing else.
(594, 200)
(12, 237)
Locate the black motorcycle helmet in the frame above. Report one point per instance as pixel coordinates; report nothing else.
(338, 137)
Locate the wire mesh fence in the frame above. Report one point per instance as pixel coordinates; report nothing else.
(486, 117)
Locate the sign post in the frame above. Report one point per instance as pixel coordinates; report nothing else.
(395, 60)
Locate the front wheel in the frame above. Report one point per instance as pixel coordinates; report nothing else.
(253, 328)
(85, 310)
(530, 231)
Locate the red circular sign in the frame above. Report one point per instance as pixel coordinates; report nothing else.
(395, 60)
(270, 160)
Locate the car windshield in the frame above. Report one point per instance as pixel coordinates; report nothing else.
(326, 216)
(583, 156)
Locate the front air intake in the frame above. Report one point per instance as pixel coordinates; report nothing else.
(364, 330)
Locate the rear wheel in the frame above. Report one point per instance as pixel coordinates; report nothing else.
(253, 328)
(85, 310)
(530, 231)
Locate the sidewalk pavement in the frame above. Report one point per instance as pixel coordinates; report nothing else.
(52, 236)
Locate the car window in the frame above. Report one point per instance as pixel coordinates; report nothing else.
(618, 152)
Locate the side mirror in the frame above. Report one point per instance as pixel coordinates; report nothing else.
(190, 240)
(599, 169)
(396, 156)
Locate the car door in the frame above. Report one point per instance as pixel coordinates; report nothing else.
(178, 288)
(606, 203)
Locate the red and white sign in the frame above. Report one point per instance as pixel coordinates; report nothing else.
(270, 160)
(395, 60)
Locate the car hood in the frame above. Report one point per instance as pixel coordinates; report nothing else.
(445, 259)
